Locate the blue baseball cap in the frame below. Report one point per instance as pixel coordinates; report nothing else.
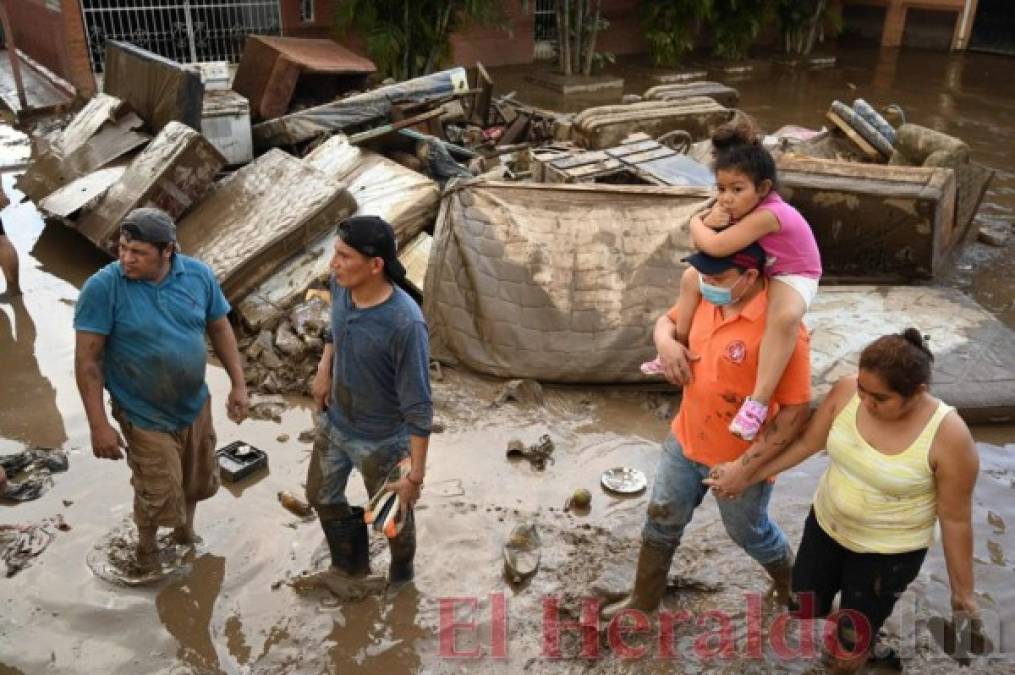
(749, 258)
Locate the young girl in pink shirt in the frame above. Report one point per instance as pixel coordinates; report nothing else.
(748, 210)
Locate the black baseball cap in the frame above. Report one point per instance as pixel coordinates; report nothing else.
(375, 238)
(750, 258)
(150, 225)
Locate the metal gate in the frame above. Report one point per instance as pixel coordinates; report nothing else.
(187, 31)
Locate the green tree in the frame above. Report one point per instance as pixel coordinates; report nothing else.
(671, 27)
(578, 26)
(801, 23)
(409, 38)
(735, 25)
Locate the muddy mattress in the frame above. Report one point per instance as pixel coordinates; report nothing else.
(974, 366)
(559, 283)
(252, 222)
(381, 187)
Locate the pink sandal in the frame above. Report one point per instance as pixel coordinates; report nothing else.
(749, 419)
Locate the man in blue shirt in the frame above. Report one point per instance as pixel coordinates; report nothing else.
(374, 382)
(141, 324)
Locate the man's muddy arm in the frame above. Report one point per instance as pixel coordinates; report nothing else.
(88, 353)
(223, 342)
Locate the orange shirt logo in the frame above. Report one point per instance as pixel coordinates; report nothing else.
(735, 351)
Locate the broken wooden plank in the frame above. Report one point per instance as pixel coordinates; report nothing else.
(481, 102)
(386, 129)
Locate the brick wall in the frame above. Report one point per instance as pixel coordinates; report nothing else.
(494, 46)
(497, 46)
(54, 37)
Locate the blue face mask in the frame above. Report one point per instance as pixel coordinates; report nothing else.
(717, 295)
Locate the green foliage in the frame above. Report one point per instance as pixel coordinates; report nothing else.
(735, 26)
(671, 27)
(802, 22)
(578, 26)
(408, 38)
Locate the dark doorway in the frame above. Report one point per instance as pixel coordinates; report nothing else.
(994, 27)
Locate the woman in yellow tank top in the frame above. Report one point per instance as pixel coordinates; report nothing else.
(900, 460)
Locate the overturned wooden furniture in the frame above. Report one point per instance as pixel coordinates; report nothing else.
(874, 222)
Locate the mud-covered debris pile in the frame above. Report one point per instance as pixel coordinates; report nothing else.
(283, 359)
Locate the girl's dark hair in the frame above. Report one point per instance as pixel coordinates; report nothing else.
(903, 361)
(737, 146)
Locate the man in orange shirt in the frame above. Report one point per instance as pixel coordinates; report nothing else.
(717, 365)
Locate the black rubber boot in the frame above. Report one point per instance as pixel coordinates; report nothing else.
(649, 583)
(403, 551)
(348, 543)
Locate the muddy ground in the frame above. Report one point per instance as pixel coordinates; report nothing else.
(227, 611)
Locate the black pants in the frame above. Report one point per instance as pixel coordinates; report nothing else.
(869, 583)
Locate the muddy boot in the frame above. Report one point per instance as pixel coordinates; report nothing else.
(349, 575)
(348, 543)
(649, 583)
(781, 590)
(403, 551)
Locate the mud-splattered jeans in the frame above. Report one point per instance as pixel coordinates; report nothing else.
(333, 458)
(678, 491)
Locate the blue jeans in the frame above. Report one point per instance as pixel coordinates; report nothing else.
(333, 458)
(678, 491)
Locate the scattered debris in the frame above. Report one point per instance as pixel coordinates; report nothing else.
(718, 92)
(279, 73)
(579, 501)
(267, 407)
(172, 173)
(238, 460)
(522, 553)
(993, 236)
(225, 122)
(295, 505)
(996, 521)
(158, 89)
(245, 227)
(524, 392)
(608, 126)
(359, 109)
(537, 454)
(103, 131)
(29, 472)
(380, 186)
(21, 544)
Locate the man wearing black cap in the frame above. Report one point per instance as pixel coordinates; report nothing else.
(717, 368)
(373, 382)
(141, 324)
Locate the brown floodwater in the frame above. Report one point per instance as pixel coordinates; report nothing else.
(226, 610)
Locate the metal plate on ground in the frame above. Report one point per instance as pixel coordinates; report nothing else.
(624, 480)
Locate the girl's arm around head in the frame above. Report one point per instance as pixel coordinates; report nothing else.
(737, 236)
(956, 463)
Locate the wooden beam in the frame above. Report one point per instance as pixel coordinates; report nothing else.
(12, 52)
(869, 150)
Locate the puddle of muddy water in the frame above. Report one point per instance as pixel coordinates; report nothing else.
(228, 613)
